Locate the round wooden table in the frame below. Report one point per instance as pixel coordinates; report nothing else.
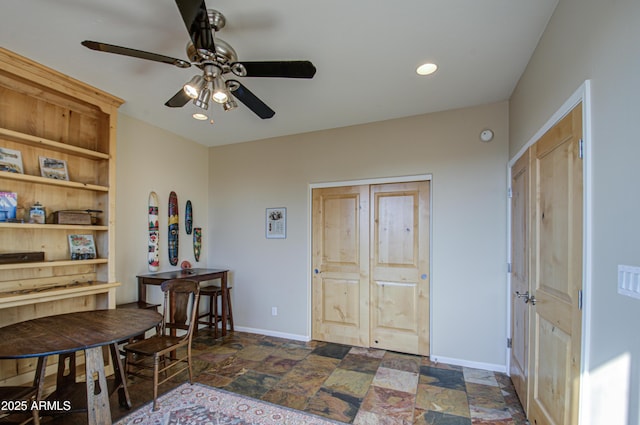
(65, 334)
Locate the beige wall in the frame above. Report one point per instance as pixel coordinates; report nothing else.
(469, 220)
(599, 41)
(151, 159)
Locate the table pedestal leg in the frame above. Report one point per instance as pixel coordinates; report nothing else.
(38, 382)
(98, 410)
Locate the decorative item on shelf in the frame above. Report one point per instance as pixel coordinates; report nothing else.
(37, 213)
(174, 229)
(53, 168)
(188, 217)
(197, 242)
(8, 206)
(21, 257)
(185, 265)
(72, 217)
(276, 225)
(82, 247)
(154, 233)
(11, 160)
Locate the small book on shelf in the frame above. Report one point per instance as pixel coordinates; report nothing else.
(82, 247)
(11, 160)
(53, 168)
(8, 205)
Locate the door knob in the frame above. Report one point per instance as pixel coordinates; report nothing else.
(527, 298)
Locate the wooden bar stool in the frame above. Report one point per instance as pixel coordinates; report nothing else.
(212, 317)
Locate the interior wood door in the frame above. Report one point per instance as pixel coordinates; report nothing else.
(340, 293)
(370, 266)
(520, 238)
(399, 286)
(556, 273)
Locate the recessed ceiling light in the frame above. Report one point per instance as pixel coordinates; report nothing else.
(427, 69)
(200, 116)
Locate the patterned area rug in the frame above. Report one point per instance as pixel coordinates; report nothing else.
(198, 404)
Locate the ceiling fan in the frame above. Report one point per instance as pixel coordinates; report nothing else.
(217, 60)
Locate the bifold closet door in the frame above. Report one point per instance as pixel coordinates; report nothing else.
(371, 265)
(399, 284)
(340, 294)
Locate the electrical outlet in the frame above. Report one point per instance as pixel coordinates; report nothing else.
(274, 311)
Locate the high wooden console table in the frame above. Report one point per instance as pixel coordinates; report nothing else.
(64, 334)
(199, 275)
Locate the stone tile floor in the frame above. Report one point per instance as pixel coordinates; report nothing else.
(349, 384)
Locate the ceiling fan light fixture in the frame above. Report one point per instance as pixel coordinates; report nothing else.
(203, 99)
(194, 86)
(230, 104)
(220, 92)
(427, 69)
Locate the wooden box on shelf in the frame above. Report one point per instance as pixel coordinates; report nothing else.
(72, 217)
(21, 257)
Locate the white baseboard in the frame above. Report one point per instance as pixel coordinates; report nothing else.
(276, 334)
(467, 363)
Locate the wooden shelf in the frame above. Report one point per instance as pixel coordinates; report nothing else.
(54, 293)
(51, 182)
(59, 263)
(51, 144)
(23, 226)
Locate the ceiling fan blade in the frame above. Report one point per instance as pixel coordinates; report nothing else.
(110, 48)
(251, 101)
(178, 100)
(195, 17)
(282, 69)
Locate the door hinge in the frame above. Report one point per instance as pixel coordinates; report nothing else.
(509, 343)
(508, 267)
(509, 193)
(581, 149)
(580, 299)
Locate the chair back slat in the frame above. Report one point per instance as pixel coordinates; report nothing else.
(180, 305)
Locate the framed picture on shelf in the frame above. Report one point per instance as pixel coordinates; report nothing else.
(8, 205)
(276, 224)
(11, 160)
(82, 247)
(52, 168)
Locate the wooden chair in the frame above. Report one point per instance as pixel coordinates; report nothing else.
(212, 316)
(180, 314)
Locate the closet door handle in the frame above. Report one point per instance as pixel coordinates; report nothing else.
(527, 298)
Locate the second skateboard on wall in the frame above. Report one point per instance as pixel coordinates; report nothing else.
(174, 229)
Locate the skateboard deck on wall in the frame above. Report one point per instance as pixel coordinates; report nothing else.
(197, 242)
(154, 233)
(174, 229)
(188, 218)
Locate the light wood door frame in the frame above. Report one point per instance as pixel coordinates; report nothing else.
(373, 181)
(581, 95)
(520, 276)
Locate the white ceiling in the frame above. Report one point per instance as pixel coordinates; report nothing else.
(365, 52)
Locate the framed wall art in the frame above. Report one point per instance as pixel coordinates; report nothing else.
(276, 223)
